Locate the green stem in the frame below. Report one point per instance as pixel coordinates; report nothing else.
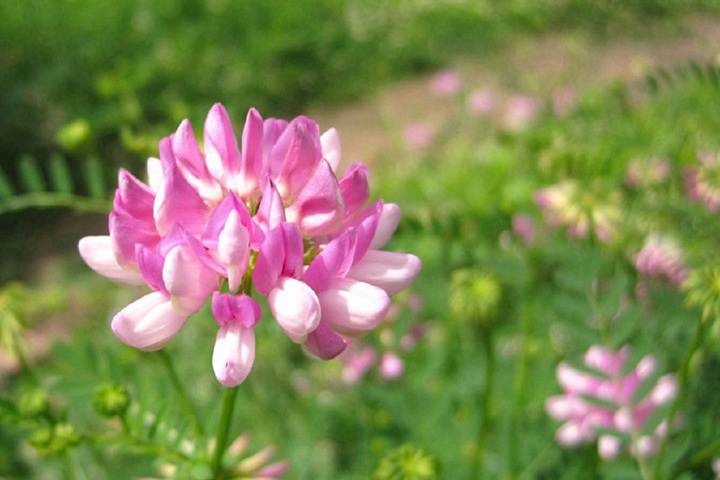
(485, 403)
(702, 457)
(221, 436)
(682, 380)
(519, 388)
(185, 403)
(54, 200)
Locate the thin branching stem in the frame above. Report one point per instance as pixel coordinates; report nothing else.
(185, 403)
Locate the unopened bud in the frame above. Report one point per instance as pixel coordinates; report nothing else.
(111, 400)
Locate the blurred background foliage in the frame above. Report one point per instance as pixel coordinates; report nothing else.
(86, 87)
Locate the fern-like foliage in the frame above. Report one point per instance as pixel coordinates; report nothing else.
(55, 186)
(707, 73)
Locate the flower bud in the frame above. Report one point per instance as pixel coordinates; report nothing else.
(407, 463)
(111, 400)
(34, 403)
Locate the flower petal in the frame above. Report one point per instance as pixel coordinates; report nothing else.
(237, 308)
(325, 343)
(354, 187)
(302, 157)
(177, 202)
(387, 224)
(234, 354)
(330, 142)
(189, 282)
(391, 271)
(295, 307)
(98, 253)
(148, 323)
(319, 205)
(353, 307)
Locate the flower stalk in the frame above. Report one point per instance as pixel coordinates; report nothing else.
(223, 429)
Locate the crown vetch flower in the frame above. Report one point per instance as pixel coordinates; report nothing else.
(605, 404)
(268, 212)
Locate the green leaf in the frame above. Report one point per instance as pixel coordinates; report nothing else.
(30, 174)
(60, 176)
(94, 177)
(6, 188)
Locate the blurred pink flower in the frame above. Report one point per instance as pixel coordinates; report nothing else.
(481, 102)
(520, 111)
(418, 135)
(269, 212)
(580, 209)
(701, 181)
(661, 259)
(604, 404)
(524, 227)
(446, 82)
(391, 366)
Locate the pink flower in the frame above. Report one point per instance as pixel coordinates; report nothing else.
(446, 82)
(661, 259)
(481, 102)
(701, 181)
(520, 111)
(269, 211)
(418, 135)
(604, 403)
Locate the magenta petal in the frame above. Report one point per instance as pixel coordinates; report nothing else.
(126, 232)
(319, 205)
(148, 323)
(355, 188)
(222, 154)
(301, 159)
(98, 253)
(177, 202)
(234, 354)
(352, 307)
(133, 197)
(271, 211)
(295, 307)
(238, 308)
(251, 164)
(366, 224)
(189, 282)
(234, 249)
(151, 266)
(191, 163)
(325, 343)
(391, 271)
(334, 261)
(330, 142)
(281, 254)
(276, 141)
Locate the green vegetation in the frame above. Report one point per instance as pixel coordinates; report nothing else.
(105, 80)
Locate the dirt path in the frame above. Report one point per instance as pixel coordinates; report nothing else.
(541, 67)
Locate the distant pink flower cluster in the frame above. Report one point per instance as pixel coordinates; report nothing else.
(583, 212)
(605, 404)
(701, 182)
(661, 259)
(268, 213)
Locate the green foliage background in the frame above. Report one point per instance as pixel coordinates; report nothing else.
(88, 86)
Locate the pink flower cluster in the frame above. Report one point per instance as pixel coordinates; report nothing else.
(661, 259)
(267, 213)
(701, 181)
(605, 404)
